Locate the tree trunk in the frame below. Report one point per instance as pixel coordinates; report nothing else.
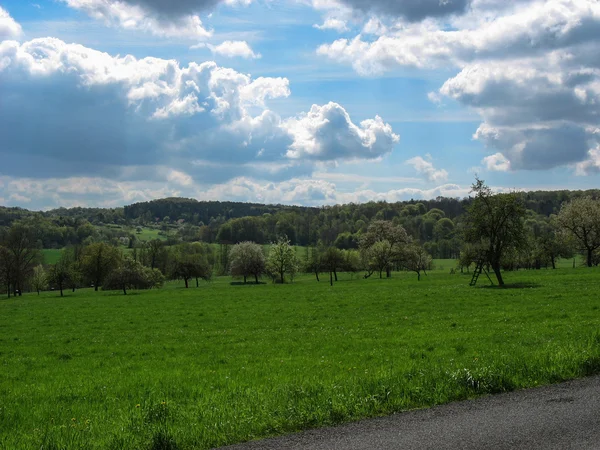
(553, 262)
(418, 276)
(186, 282)
(331, 278)
(96, 287)
(380, 274)
(244, 279)
(335, 275)
(124, 290)
(73, 288)
(498, 274)
(38, 291)
(256, 278)
(388, 272)
(61, 289)
(317, 275)
(589, 257)
(197, 282)
(282, 279)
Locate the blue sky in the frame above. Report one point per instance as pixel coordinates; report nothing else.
(109, 102)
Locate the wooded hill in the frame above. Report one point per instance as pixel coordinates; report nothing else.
(434, 223)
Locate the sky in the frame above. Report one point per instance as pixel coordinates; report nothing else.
(313, 102)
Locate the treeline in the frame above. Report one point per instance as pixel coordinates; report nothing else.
(436, 224)
(496, 230)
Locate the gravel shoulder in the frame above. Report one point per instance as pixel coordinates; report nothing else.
(561, 416)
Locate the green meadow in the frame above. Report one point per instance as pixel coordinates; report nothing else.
(204, 367)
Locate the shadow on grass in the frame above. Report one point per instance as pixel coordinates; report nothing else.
(522, 285)
(249, 283)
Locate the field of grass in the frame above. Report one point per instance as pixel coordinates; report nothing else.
(51, 255)
(202, 367)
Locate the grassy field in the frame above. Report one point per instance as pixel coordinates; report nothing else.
(219, 364)
(51, 255)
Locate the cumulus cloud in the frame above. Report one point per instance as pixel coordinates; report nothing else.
(338, 25)
(496, 162)
(327, 133)
(123, 118)
(590, 165)
(9, 28)
(530, 68)
(533, 29)
(426, 168)
(412, 10)
(231, 49)
(159, 17)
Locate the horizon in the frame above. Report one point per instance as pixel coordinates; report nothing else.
(107, 103)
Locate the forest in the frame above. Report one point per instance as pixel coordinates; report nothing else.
(436, 224)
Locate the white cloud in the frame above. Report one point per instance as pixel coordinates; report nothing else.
(327, 133)
(333, 24)
(9, 28)
(496, 162)
(426, 168)
(133, 115)
(45, 193)
(529, 68)
(168, 19)
(590, 165)
(230, 49)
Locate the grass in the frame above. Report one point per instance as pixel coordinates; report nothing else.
(51, 255)
(219, 364)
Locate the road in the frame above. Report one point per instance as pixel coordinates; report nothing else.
(562, 416)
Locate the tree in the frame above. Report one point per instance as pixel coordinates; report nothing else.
(39, 279)
(381, 245)
(282, 259)
(247, 259)
(6, 269)
(22, 254)
(379, 257)
(97, 261)
(416, 259)
(312, 263)
(494, 221)
(63, 272)
(131, 274)
(188, 264)
(153, 250)
(581, 219)
(332, 259)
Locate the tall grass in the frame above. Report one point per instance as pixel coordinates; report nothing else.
(199, 368)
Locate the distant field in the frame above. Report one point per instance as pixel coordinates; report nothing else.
(51, 255)
(202, 367)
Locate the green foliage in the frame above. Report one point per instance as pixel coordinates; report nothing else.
(381, 246)
(494, 223)
(196, 369)
(64, 273)
(189, 261)
(415, 259)
(130, 274)
(97, 261)
(282, 260)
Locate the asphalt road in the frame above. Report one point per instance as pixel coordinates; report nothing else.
(562, 416)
